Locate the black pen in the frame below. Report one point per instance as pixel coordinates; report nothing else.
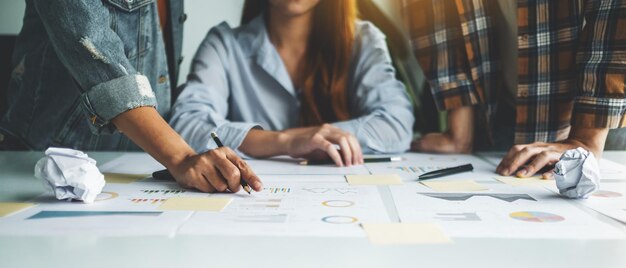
(445, 172)
(166, 175)
(365, 160)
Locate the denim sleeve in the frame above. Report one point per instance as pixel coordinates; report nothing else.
(94, 54)
(384, 122)
(202, 106)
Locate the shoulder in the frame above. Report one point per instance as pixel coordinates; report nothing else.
(366, 32)
(243, 39)
(219, 36)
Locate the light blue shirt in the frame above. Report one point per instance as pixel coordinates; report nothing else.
(238, 82)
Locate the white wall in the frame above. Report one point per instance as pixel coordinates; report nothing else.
(201, 16)
(11, 13)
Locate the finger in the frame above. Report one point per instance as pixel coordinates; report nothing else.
(543, 159)
(535, 165)
(548, 175)
(217, 181)
(332, 152)
(203, 185)
(356, 150)
(346, 151)
(502, 167)
(246, 171)
(516, 157)
(230, 173)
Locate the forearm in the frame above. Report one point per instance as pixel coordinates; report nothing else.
(262, 143)
(149, 131)
(461, 128)
(592, 139)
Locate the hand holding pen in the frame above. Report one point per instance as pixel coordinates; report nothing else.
(221, 170)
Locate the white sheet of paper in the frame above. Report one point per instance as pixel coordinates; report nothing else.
(132, 163)
(42, 221)
(610, 200)
(611, 171)
(503, 212)
(294, 209)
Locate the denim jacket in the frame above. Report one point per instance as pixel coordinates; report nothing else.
(78, 64)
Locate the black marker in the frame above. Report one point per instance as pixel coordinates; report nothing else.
(445, 172)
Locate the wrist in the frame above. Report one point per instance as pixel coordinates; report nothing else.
(284, 142)
(592, 139)
(175, 159)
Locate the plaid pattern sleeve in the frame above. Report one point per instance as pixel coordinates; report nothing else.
(601, 61)
(571, 61)
(452, 44)
(548, 34)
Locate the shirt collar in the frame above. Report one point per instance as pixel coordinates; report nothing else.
(255, 42)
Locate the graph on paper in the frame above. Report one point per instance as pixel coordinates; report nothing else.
(322, 190)
(465, 196)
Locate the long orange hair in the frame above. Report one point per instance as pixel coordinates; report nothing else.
(323, 97)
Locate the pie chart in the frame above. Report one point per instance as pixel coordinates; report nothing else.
(606, 194)
(536, 216)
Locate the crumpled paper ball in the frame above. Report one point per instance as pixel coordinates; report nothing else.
(577, 173)
(70, 174)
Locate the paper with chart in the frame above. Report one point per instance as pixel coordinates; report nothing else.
(289, 166)
(611, 171)
(294, 209)
(120, 210)
(502, 212)
(415, 164)
(610, 200)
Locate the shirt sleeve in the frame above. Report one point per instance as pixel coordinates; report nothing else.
(601, 100)
(202, 106)
(93, 53)
(453, 50)
(384, 119)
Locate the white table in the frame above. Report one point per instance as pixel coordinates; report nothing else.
(18, 184)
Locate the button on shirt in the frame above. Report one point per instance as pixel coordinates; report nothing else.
(238, 82)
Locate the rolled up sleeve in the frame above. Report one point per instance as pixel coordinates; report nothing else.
(94, 55)
(601, 100)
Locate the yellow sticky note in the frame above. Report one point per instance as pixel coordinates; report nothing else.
(8, 208)
(530, 181)
(455, 186)
(380, 179)
(123, 178)
(196, 203)
(405, 233)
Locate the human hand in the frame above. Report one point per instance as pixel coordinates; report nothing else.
(457, 139)
(217, 170)
(317, 143)
(527, 159)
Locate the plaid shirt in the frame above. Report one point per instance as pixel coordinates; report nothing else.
(571, 61)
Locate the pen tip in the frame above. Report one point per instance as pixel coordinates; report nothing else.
(213, 135)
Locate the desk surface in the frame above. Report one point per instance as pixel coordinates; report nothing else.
(18, 184)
